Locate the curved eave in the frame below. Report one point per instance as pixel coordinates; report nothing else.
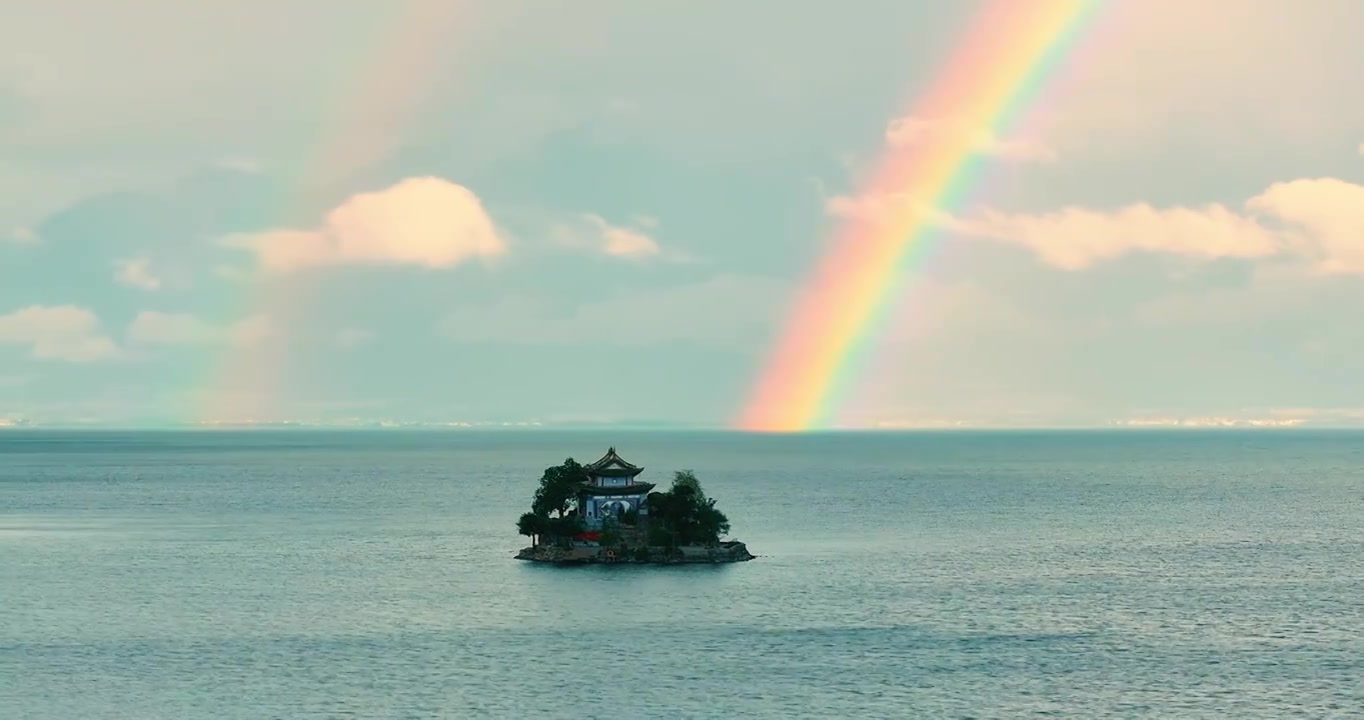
(635, 489)
(603, 465)
(616, 472)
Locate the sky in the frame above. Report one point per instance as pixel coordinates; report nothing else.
(488, 211)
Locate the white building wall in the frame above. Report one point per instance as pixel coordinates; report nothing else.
(593, 515)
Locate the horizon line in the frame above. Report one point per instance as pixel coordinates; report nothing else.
(662, 427)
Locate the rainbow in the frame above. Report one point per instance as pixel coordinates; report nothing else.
(360, 120)
(1012, 49)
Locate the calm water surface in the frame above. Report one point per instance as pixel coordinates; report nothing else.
(368, 575)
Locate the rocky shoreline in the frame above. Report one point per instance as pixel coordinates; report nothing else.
(726, 552)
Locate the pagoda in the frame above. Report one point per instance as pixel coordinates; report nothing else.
(611, 490)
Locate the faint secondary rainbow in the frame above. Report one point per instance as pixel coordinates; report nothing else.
(1010, 52)
(361, 120)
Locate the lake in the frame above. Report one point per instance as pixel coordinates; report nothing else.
(368, 574)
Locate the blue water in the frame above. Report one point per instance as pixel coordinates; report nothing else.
(369, 575)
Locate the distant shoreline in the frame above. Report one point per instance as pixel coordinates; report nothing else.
(977, 430)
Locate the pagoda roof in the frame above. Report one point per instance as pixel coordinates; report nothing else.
(633, 489)
(612, 465)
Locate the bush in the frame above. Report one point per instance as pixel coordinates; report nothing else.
(558, 488)
(533, 525)
(563, 529)
(610, 533)
(642, 554)
(659, 536)
(686, 513)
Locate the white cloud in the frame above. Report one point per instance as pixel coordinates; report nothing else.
(63, 332)
(23, 236)
(902, 135)
(1076, 238)
(1317, 221)
(593, 232)
(911, 131)
(1147, 71)
(425, 222)
(877, 208)
(621, 241)
(1321, 219)
(1360, 148)
(137, 273)
(152, 327)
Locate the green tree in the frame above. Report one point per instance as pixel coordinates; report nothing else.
(686, 514)
(563, 529)
(659, 535)
(559, 488)
(610, 532)
(532, 525)
(687, 479)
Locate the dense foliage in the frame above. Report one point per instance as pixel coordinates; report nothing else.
(555, 496)
(558, 488)
(681, 516)
(533, 526)
(684, 515)
(610, 533)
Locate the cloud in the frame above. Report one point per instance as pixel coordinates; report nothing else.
(911, 131)
(1076, 238)
(1317, 221)
(1323, 220)
(1361, 148)
(137, 273)
(623, 242)
(152, 327)
(1161, 69)
(593, 232)
(875, 208)
(63, 332)
(424, 222)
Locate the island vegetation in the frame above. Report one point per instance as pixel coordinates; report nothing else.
(599, 513)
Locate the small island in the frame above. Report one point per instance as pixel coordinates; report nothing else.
(602, 513)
